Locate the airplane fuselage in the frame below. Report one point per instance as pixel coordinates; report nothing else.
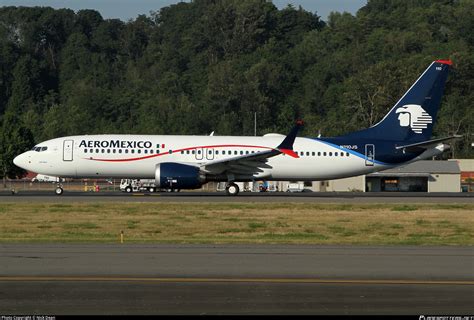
(136, 156)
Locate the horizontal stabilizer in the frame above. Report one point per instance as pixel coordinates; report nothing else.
(426, 144)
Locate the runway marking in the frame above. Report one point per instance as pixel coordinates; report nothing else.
(237, 280)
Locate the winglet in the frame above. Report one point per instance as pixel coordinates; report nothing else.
(286, 146)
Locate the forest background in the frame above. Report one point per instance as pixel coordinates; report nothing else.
(210, 65)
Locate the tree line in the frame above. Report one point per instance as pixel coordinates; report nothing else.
(210, 65)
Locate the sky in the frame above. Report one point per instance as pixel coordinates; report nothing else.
(130, 9)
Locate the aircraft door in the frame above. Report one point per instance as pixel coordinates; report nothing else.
(209, 154)
(369, 154)
(68, 147)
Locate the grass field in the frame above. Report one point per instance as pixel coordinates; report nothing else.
(290, 223)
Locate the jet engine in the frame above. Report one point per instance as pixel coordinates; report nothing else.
(178, 176)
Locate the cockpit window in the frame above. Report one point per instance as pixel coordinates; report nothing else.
(39, 149)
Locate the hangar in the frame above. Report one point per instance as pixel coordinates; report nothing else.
(420, 176)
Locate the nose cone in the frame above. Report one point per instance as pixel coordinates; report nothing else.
(20, 161)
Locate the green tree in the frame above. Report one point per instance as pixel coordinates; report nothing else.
(15, 139)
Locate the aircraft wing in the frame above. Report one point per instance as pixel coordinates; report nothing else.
(254, 162)
(426, 144)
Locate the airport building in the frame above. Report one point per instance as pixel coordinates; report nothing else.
(420, 176)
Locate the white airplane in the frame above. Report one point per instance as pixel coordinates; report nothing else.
(188, 162)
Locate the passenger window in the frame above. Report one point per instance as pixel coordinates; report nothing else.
(91, 151)
(253, 151)
(193, 152)
(335, 154)
(319, 154)
(151, 151)
(246, 152)
(235, 152)
(342, 154)
(324, 153)
(85, 150)
(108, 150)
(120, 150)
(217, 151)
(114, 150)
(157, 151)
(139, 151)
(182, 151)
(347, 153)
(199, 151)
(96, 150)
(307, 153)
(330, 154)
(145, 151)
(157, 145)
(126, 150)
(103, 150)
(187, 151)
(132, 151)
(170, 151)
(313, 153)
(241, 152)
(301, 153)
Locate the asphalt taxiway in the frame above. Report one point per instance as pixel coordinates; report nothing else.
(245, 197)
(235, 279)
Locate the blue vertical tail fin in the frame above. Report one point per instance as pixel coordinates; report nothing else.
(412, 118)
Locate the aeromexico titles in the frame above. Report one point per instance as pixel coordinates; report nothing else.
(188, 162)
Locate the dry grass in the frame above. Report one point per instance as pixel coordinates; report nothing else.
(238, 223)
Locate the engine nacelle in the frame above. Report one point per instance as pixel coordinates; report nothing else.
(178, 176)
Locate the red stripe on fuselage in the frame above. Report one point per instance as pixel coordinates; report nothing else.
(179, 150)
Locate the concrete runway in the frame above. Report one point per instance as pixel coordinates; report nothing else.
(235, 279)
(245, 197)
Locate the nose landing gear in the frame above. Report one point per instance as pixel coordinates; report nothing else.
(59, 191)
(59, 188)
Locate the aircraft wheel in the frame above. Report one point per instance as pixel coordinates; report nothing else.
(128, 189)
(152, 189)
(232, 189)
(58, 191)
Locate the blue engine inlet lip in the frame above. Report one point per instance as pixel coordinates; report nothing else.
(177, 176)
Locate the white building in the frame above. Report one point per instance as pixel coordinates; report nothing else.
(420, 176)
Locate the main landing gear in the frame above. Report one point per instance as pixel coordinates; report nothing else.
(232, 189)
